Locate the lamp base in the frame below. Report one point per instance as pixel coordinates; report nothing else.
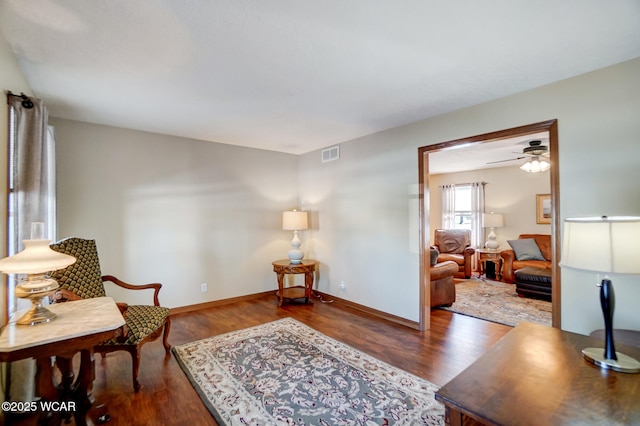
(624, 363)
(38, 314)
(295, 256)
(36, 290)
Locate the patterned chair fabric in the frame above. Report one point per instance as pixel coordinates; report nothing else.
(144, 323)
(83, 278)
(141, 322)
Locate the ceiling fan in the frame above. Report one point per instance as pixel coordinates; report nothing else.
(535, 149)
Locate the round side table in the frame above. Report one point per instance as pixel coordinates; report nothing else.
(307, 267)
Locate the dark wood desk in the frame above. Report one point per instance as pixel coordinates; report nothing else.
(79, 326)
(536, 375)
(307, 267)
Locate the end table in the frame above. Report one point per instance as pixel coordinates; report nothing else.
(492, 256)
(80, 326)
(307, 267)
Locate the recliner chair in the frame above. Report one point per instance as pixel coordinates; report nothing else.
(455, 245)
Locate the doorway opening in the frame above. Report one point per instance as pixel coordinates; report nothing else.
(551, 127)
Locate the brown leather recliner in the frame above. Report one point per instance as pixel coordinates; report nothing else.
(511, 264)
(455, 245)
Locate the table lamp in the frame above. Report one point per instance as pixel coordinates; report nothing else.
(295, 221)
(36, 260)
(606, 245)
(492, 220)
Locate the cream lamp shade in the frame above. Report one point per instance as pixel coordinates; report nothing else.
(37, 257)
(492, 220)
(606, 245)
(601, 244)
(295, 221)
(35, 261)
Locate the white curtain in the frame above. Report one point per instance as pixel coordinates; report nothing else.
(448, 206)
(32, 174)
(477, 208)
(31, 199)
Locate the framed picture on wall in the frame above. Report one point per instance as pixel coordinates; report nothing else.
(543, 208)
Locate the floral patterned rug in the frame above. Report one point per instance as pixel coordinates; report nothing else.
(498, 302)
(285, 373)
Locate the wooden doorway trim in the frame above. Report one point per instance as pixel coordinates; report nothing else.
(550, 126)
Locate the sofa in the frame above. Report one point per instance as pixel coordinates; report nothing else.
(455, 245)
(443, 290)
(512, 263)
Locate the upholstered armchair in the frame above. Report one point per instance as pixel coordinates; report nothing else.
(539, 259)
(443, 289)
(455, 245)
(83, 280)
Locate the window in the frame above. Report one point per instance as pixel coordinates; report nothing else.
(462, 207)
(462, 211)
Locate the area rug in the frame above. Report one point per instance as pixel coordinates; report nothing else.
(498, 302)
(285, 373)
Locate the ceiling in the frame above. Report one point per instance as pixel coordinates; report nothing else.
(498, 153)
(299, 75)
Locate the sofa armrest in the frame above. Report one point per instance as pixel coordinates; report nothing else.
(468, 262)
(507, 270)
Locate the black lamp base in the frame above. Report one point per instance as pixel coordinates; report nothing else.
(624, 363)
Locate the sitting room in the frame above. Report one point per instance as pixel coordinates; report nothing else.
(177, 139)
(493, 218)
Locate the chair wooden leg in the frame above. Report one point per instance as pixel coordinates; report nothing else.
(165, 337)
(135, 363)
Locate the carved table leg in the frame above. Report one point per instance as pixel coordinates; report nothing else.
(47, 391)
(280, 287)
(308, 286)
(88, 412)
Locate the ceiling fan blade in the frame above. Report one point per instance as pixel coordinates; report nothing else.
(503, 161)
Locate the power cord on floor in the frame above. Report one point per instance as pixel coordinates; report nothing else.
(322, 300)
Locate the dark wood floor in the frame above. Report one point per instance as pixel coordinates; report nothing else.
(167, 397)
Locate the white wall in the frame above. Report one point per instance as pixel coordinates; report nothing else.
(365, 213)
(509, 191)
(364, 202)
(177, 211)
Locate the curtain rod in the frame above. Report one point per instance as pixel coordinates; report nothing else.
(26, 101)
(467, 183)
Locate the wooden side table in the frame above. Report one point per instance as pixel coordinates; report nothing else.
(307, 267)
(79, 326)
(493, 256)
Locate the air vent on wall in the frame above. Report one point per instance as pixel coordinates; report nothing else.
(330, 154)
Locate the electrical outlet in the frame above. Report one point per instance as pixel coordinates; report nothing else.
(342, 285)
(203, 287)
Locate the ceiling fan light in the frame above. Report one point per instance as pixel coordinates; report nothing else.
(535, 166)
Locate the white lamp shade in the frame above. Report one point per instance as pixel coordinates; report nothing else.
(36, 258)
(492, 220)
(602, 244)
(294, 220)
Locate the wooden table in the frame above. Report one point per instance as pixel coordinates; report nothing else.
(307, 267)
(79, 326)
(493, 256)
(536, 375)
